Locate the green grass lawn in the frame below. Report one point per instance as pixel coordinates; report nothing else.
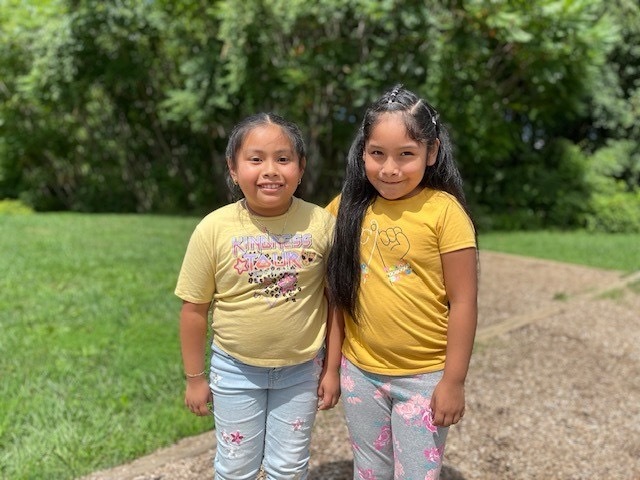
(600, 250)
(90, 364)
(91, 370)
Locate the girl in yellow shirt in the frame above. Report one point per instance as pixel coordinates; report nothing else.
(403, 270)
(259, 266)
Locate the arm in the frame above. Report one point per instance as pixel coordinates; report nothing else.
(461, 283)
(193, 337)
(329, 386)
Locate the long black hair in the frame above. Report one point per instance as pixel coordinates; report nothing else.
(423, 126)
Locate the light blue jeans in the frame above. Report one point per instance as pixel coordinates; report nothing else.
(264, 416)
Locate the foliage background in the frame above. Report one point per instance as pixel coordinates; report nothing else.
(124, 106)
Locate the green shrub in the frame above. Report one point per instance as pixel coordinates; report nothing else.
(614, 179)
(615, 213)
(14, 207)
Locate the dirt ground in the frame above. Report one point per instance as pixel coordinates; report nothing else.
(553, 390)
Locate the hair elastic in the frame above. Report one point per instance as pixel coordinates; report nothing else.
(393, 94)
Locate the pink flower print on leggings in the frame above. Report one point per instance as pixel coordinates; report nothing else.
(434, 454)
(427, 420)
(384, 438)
(417, 412)
(366, 474)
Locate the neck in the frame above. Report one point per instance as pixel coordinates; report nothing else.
(277, 237)
(254, 213)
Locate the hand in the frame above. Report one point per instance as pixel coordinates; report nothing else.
(198, 397)
(328, 389)
(447, 403)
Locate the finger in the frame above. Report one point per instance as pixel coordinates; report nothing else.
(438, 419)
(441, 421)
(202, 410)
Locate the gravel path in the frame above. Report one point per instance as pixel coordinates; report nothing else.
(553, 390)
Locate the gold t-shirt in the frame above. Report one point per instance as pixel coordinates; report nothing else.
(403, 304)
(266, 288)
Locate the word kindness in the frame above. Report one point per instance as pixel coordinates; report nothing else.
(256, 252)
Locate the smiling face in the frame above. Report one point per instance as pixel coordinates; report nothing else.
(394, 162)
(267, 169)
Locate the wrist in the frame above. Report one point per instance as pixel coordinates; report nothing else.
(201, 374)
(453, 380)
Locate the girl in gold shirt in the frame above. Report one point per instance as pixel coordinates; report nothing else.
(403, 270)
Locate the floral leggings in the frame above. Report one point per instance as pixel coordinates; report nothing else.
(390, 425)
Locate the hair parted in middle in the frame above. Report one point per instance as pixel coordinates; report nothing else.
(423, 125)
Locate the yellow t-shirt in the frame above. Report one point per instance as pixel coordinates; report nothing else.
(402, 298)
(267, 289)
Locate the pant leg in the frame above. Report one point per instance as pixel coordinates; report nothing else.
(418, 444)
(367, 407)
(291, 412)
(239, 407)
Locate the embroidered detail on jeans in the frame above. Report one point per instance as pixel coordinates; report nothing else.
(234, 437)
(298, 424)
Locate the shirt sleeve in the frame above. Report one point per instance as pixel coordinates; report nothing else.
(196, 281)
(456, 229)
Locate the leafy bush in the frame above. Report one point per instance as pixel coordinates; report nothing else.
(14, 207)
(614, 176)
(617, 213)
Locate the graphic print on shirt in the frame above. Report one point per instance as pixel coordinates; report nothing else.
(388, 246)
(272, 263)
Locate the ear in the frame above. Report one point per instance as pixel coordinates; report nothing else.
(303, 165)
(232, 171)
(432, 153)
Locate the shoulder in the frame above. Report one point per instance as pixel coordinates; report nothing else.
(443, 201)
(220, 217)
(315, 221)
(315, 212)
(333, 206)
(441, 210)
(452, 220)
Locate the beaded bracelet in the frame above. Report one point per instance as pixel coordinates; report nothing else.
(190, 375)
